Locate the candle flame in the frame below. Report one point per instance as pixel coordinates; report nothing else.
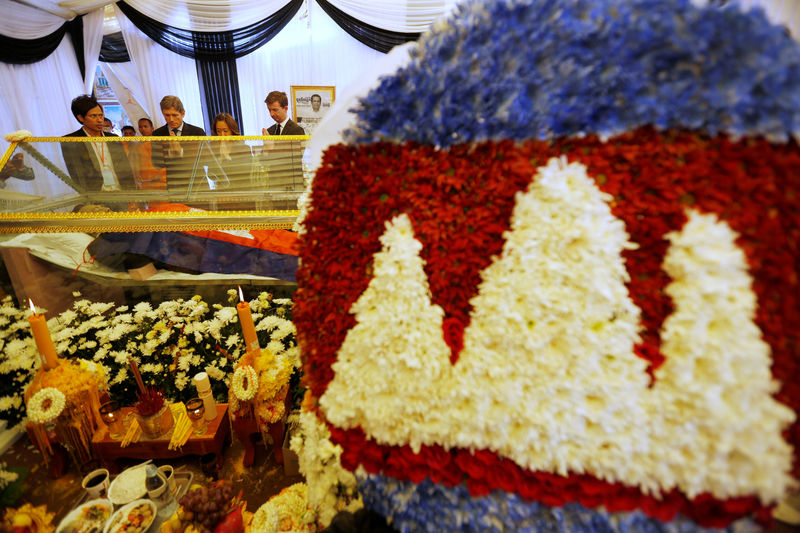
(33, 309)
(241, 296)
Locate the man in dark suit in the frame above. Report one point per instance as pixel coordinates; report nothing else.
(180, 158)
(281, 162)
(95, 166)
(278, 108)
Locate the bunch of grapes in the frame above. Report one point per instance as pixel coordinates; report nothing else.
(207, 506)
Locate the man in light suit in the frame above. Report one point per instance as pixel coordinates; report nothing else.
(278, 108)
(100, 166)
(179, 158)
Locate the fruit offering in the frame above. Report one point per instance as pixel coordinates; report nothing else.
(212, 509)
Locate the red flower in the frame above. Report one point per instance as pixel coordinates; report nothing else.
(478, 487)
(505, 475)
(454, 336)
(470, 465)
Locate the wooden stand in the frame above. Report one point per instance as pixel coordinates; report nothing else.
(59, 461)
(246, 429)
(213, 441)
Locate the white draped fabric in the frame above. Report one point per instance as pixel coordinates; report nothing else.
(124, 81)
(406, 16)
(311, 50)
(37, 98)
(92, 41)
(207, 15)
(162, 72)
(25, 22)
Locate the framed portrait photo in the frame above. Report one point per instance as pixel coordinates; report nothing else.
(310, 103)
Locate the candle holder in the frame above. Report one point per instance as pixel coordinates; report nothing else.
(112, 417)
(196, 411)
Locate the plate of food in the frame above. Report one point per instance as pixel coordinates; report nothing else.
(87, 517)
(136, 517)
(128, 486)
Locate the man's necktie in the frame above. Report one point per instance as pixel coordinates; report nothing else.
(175, 131)
(277, 129)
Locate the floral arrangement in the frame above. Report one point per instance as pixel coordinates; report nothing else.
(287, 511)
(331, 488)
(170, 343)
(19, 361)
(599, 312)
(46, 405)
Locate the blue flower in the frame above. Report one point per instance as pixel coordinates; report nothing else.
(550, 68)
(428, 506)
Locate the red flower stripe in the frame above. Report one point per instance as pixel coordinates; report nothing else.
(460, 202)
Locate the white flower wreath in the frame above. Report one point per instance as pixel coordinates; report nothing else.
(46, 405)
(245, 374)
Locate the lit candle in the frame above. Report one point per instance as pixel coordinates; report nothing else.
(248, 328)
(42, 337)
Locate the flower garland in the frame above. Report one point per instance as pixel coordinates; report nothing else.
(466, 195)
(287, 511)
(330, 487)
(46, 405)
(245, 383)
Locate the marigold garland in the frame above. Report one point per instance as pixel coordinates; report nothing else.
(46, 405)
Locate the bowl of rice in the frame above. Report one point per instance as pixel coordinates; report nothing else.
(128, 486)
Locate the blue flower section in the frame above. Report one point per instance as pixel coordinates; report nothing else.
(428, 506)
(547, 68)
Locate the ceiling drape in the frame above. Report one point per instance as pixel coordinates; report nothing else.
(212, 46)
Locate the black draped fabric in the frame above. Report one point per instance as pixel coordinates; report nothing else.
(219, 81)
(375, 38)
(26, 51)
(75, 29)
(113, 49)
(240, 42)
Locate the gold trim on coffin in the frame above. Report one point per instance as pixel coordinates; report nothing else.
(139, 221)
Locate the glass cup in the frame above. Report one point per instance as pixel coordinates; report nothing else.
(196, 411)
(112, 417)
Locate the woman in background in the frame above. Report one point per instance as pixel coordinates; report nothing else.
(232, 161)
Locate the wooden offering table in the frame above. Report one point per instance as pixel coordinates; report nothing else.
(213, 441)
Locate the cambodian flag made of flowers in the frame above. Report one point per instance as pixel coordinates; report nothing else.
(550, 280)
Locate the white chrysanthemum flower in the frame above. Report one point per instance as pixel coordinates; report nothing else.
(215, 373)
(728, 424)
(121, 376)
(268, 323)
(181, 380)
(276, 347)
(232, 340)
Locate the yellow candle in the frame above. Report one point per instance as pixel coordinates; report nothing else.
(42, 337)
(248, 328)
